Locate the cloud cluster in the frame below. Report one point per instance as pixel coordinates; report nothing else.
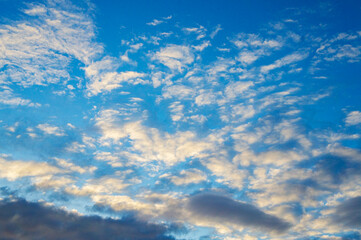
(175, 57)
(38, 51)
(149, 144)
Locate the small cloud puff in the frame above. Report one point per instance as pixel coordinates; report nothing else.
(175, 57)
(51, 130)
(353, 118)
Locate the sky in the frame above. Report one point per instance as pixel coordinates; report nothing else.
(180, 120)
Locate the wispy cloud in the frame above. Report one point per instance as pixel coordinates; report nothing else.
(14, 169)
(292, 58)
(353, 118)
(39, 50)
(155, 22)
(175, 57)
(50, 129)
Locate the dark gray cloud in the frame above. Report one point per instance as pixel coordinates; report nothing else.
(348, 213)
(338, 168)
(24, 220)
(225, 209)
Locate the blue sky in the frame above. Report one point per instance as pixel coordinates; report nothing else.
(180, 119)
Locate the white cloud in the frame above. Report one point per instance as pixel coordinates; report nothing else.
(175, 57)
(191, 30)
(292, 58)
(123, 202)
(13, 170)
(178, 91)
(199, 31)
(247, 57)
(38, 51)
(338, 48)
(353, 118)
(224, 49)
(350, 153)
(189, 176)
(345, 52)
(149, 143)
(155, 22)
(36, 11)
(110, 126)
(111, 158)
(104, 76)
(136, 47)
(275, 193)
(234, 89)
(108, 81)
(103, 185)
(51, 130)
(205, 97)
(75, 147)
(106, 64)
(227, 172)
(176, 109)
(7, 97)
(242, 112)
(215, 31)
(201, 47)
(66, 164)
(51, 181)
(219, 68)
(160, 78)
(277, 158)
(255, 41)
(198, 118)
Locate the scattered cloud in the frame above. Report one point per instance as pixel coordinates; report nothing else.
(175, 57)
(51, 130)
(14, 169)
(38, 52)
(155, 22)
(292, 58)
(353, 118)
(7, 97)
(188, 177)
(149, 143)
(215, 31)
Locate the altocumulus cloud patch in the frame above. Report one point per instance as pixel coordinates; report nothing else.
(234, 119)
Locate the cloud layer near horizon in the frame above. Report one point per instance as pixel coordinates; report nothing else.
(20, 219)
